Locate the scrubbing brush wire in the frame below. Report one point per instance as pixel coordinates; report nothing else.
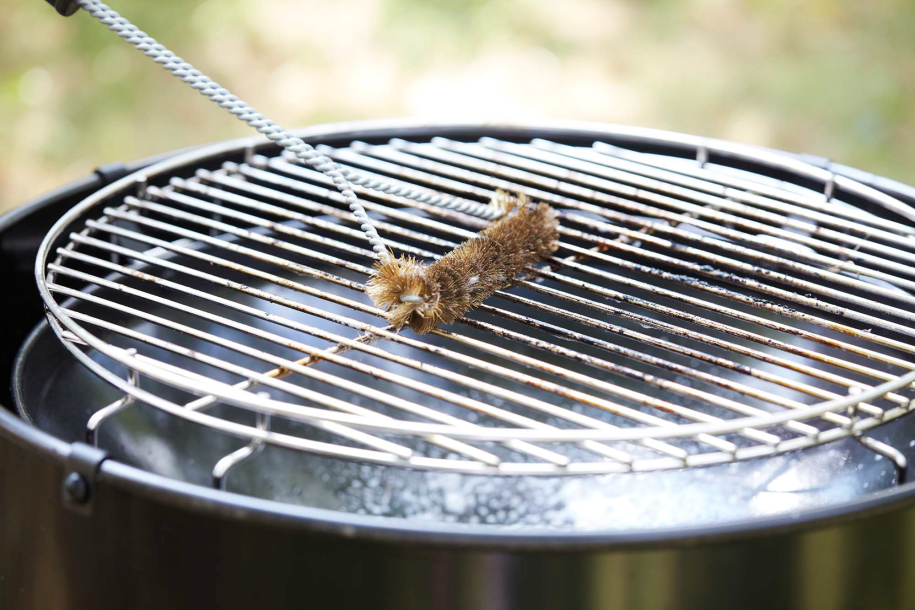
(416, 295)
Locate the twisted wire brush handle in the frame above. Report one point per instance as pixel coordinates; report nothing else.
(342, 178)
(237, 107)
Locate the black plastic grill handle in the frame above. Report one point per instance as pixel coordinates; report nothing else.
(64, 7)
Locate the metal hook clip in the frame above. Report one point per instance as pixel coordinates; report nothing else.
(142, 185)
(702, 155)
(830, 188)
(249, 451)
(250, 151)
(888, 451)
(105, 413)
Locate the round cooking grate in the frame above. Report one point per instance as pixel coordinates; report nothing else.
(709, 302)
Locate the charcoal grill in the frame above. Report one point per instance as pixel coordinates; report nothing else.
(708, 381)
(699, 401)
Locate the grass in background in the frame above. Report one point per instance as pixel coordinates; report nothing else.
(834, 78)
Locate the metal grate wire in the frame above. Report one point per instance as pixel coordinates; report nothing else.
(695, 314)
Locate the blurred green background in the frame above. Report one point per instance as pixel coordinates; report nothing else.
(835, 78)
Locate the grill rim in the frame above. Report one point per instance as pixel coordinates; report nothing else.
(202, 499)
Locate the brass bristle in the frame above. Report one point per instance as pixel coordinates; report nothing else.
(424, 296)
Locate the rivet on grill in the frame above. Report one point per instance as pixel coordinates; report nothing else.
(75, 489)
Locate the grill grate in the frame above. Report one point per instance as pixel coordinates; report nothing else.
(695, 314)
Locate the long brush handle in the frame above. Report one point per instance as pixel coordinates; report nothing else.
(237, 107)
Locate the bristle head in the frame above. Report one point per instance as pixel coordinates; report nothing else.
(401, 287)
(422, 297)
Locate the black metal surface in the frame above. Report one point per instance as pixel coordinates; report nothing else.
(152, 542)
(141, 550)
(21, 232)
